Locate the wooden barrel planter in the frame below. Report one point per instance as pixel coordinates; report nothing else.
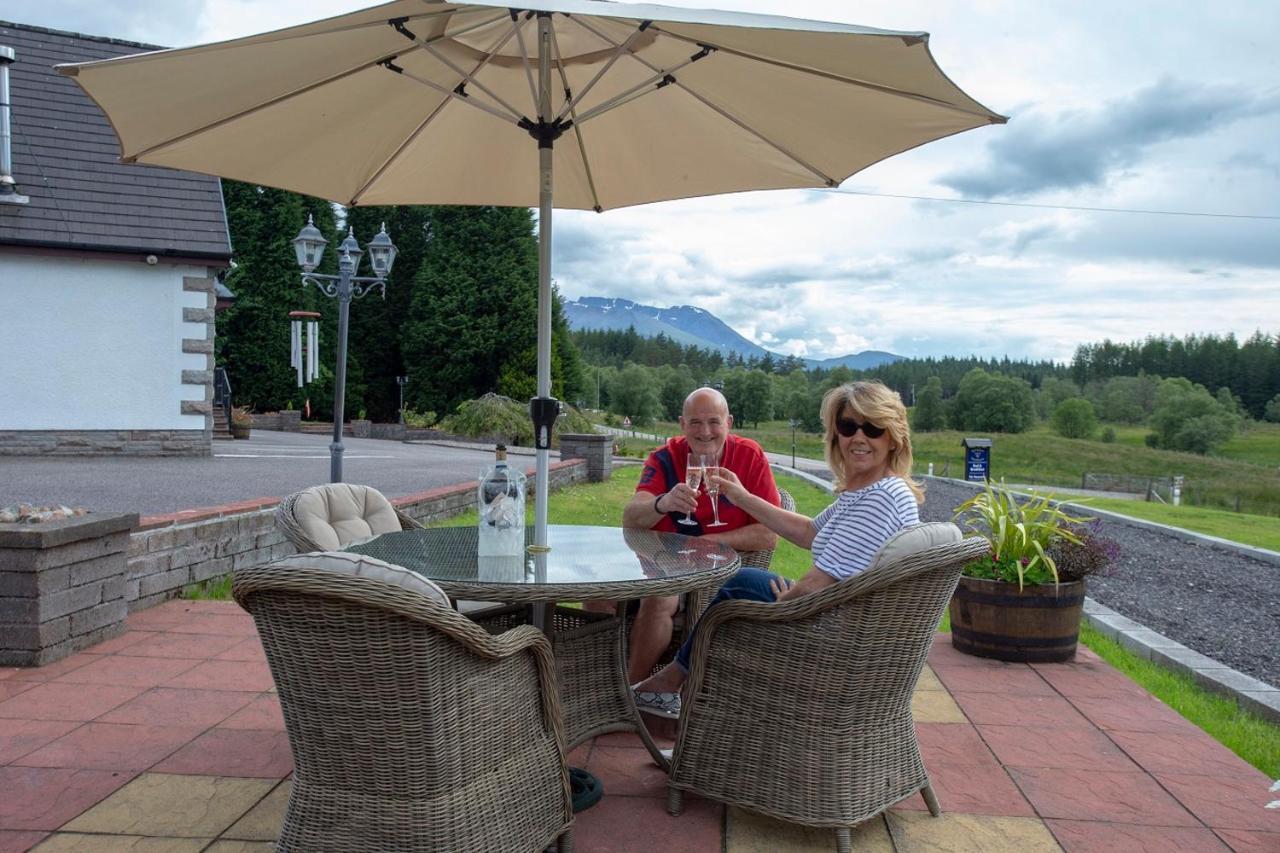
(1038, 624)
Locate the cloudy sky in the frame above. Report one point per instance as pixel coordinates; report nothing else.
(1154, 106)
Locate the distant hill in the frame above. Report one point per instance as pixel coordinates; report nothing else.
(692, 326)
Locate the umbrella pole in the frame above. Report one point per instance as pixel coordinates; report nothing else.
(540, 407)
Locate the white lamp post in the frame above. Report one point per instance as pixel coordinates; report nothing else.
(309, 246)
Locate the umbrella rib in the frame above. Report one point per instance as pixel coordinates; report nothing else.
(452, 94)
(278, 99)
(863, 84)
(577, 131)
(825, 178)
(660, 78)
(524, 54)
(516, 115)
(617, 54)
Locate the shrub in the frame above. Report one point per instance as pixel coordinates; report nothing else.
(419, 420)
(240, 417)
(1109, 435)
(1272, 412)
(992, 402)
(1187, 417)
(1093, 554)
(496, 416)
(1075, 418)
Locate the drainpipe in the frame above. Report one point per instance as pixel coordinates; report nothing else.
(8, 188)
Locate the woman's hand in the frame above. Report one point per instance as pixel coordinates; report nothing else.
(730, 486)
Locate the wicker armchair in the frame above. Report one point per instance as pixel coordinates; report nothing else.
(329, 517)
(411, 727)
(802, 709)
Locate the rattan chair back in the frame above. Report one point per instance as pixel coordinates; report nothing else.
(802, 709)
(411, 727)
(341, 513)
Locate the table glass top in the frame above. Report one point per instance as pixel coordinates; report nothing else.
(578, 555)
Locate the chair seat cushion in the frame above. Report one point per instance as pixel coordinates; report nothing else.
(915, 538)
(343, 563)
(341, 513)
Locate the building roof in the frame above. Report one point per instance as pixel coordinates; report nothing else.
(67, 160)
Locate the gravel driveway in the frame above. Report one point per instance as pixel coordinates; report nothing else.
(1221, 603)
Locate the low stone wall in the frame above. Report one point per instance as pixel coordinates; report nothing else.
(168, 552)
(106, 442)
(1124, 483)
(595, 448)
(286, 421)
(62, 586)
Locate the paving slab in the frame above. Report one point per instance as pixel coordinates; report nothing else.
(966, 833)
(233, 752)
(1091, 836)
(77, 842)
(1100, 795)
(748, 832)
(179, 707)
(936, 706)
(263, 821)
(110, 746)
(157, 804)
(1064, 748)
(1226, 802)
(48, 797)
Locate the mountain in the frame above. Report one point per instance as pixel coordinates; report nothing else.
(692, 326)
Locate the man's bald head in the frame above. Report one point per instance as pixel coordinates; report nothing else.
(704, 397)
(705, 421)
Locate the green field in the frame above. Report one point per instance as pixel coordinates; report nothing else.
(1247, 471)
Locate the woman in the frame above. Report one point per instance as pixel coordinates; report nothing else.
(868, 447)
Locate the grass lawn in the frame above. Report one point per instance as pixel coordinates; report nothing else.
(1258, 530)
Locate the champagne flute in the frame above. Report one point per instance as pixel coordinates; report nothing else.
(709, 468)
(692, 477)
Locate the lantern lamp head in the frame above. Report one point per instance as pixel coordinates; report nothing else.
(382, 253)
(309, 246)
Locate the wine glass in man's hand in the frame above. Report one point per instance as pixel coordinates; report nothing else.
(692, 478)
(710, 471)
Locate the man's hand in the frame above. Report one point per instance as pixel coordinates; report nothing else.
(680, 499)
(780, 586)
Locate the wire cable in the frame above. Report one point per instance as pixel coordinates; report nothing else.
(1081, 208)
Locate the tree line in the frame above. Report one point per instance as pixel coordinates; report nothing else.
(458, 318)
(1250, 370)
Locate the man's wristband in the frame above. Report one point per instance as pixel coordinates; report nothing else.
(655, 503)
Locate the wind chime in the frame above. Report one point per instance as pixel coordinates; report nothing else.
(304, 347)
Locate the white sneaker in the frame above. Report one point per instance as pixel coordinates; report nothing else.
(659, 704)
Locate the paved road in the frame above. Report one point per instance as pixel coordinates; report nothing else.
(270, 464)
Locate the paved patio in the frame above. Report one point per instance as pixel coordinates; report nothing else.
(170, 738)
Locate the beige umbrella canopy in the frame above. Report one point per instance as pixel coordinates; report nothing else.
(425, 102)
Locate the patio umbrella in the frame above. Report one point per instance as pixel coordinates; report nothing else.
(426, 102)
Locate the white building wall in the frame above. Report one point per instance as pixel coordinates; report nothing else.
(96, 344)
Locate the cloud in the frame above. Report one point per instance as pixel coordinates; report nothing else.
(165, 23)
(1080, 148)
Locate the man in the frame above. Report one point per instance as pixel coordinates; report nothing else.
(662, 496)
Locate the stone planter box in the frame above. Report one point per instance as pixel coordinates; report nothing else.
(361, 428)
(596, 449)
(62, 586)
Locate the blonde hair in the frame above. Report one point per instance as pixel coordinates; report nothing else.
(873, 402)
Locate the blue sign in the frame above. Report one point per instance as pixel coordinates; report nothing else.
(977, 464)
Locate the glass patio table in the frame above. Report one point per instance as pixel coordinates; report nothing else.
(583, 564)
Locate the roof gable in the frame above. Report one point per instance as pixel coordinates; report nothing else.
(67, 160)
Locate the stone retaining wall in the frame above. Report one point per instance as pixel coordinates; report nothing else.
(103, 442)
(168, 552)
(62, 586)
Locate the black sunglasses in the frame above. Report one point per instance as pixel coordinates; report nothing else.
(848, 428)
